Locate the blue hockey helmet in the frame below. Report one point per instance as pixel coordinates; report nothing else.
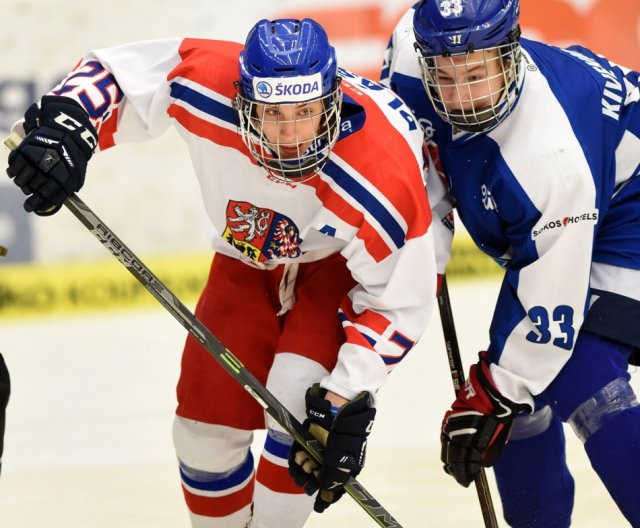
(456, 37)
(277, 50)
(289, 78)
(445, 27)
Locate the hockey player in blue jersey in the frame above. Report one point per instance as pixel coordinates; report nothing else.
(539, 149)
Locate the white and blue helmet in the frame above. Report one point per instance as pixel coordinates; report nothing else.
(288, 62)
(486, 32)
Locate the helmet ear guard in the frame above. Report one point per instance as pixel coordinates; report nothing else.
(288, 70)
(470, 33)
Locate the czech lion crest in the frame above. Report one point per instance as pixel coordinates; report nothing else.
(261, 234)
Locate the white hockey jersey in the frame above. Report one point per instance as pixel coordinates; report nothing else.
(368, 203)
(552, 194)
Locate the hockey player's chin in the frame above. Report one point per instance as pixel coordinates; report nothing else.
(472, 118)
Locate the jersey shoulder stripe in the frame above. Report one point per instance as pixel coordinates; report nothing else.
(348, 213)
(202, 91)
(369, 204)
(203, 103)
(206, 129)
(388, 150)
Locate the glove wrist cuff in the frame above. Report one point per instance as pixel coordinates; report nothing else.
(499, 400)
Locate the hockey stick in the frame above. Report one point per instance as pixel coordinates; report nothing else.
(457, 376)
(215, 348)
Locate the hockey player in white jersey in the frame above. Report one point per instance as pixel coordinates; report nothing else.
(540, 150)
(324, 273)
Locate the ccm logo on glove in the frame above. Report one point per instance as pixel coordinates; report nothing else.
(345, 439)
(49, 165)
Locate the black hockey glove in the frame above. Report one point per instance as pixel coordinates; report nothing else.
(345, 439)
(477, 427)
(51, 161)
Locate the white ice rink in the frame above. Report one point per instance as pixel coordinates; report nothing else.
(88, 441)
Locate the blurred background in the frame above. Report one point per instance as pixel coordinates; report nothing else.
(41, 41)
(55, 267)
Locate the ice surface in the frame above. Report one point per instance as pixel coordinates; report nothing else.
(88, 441)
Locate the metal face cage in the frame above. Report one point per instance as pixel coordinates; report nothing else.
(473, 91)
(292, 141)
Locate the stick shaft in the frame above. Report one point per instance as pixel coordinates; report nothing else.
(457, 377)
(217, 350)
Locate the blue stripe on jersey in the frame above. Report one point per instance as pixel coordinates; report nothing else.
(203, 103)
(219, 481)
(372, 341)
(393, 360)
(370, 203)
(402, 341)
(278, 449)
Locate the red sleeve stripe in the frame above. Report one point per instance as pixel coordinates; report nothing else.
(354, 337)
(368, 318)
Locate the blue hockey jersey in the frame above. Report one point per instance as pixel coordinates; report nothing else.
(552, 193)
